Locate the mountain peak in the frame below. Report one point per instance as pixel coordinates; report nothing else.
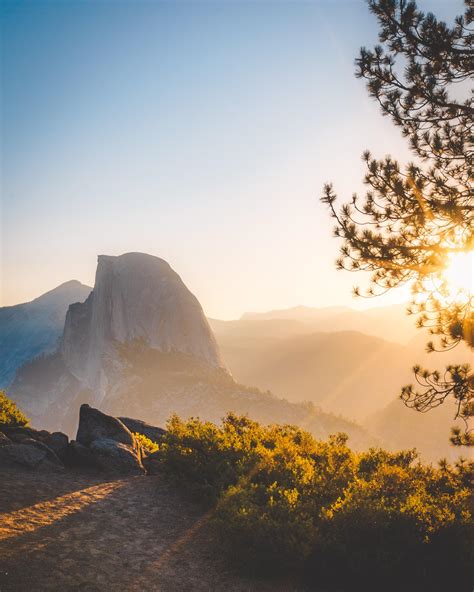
(136, 297)
(33, 328)
(71, 287)
(134, 258)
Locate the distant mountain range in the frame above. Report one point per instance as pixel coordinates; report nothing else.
(387, 322)
(339, 371)
(139, 343)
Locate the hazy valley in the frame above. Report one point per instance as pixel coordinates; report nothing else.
(140, 345)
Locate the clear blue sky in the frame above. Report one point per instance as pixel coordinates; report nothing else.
(201, 132)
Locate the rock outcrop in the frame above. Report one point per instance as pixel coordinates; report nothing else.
(95, 425)
(28, 448)
(28, 454)
(22, 455)
(81, 456)
(20, 433)
(58, 442)
(103, 442)
(115, 457)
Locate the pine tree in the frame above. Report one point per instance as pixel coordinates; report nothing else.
(414, 219)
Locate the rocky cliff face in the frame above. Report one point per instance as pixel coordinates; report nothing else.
(34, 328)
(137, 300)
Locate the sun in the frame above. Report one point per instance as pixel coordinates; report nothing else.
(459, 274)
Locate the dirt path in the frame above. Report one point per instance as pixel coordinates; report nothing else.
(73, 532)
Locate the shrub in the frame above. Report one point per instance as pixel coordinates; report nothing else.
(207, 459)
(270, 520)
(286, 501)
(387, 528)
(10, 414)
(147, 445)
(264, 528)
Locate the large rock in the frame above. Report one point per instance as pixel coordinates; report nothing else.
(78, 455)
(31, 454)
(58, 442)
(19, 434)
(115, 457)
(50, 455)
(95, 425)
(141, 427)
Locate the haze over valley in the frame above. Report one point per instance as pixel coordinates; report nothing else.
(139, 344)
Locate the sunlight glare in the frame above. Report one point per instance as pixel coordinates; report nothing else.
(459, 273)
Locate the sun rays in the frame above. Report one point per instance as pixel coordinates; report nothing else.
(459, 274)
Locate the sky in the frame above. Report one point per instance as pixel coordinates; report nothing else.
(200, 132)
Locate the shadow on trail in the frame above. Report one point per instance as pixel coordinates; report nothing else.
(104, 533)
(73, 533)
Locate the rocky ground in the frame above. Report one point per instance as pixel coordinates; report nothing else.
(74, 531)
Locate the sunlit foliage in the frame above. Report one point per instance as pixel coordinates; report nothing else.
(10, 414)
(147, 445)
(416, 223)
(285, 502)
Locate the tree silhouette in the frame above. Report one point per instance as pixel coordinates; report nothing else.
(414, 219)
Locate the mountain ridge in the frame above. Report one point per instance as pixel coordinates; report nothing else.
(33, 328)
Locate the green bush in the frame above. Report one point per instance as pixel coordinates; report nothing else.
(270, 519)
(10, 415)
(387, 528)
(207, 459)
(285, 501)
(147, 445)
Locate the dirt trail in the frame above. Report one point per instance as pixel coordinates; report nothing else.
(73, 532)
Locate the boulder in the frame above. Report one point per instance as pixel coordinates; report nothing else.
(78, 455)
(31, 455)
(49, 454)
(21, 454)
(19, 434)
(95, 425)
(58, 442)
(116, 457)
(141, 427)
(4, 439)
(18, 437)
